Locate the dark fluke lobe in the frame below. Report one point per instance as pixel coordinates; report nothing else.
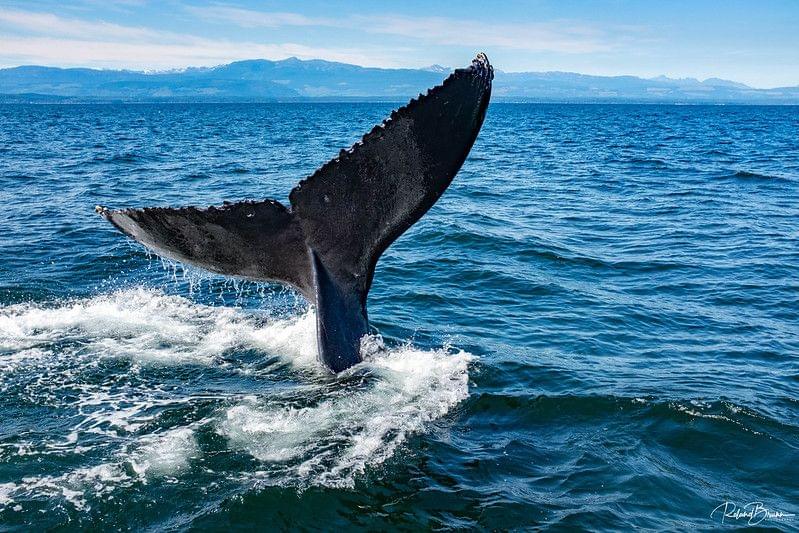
(342, 217)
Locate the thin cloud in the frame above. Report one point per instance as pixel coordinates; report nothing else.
(248, 18)
(53, 40)
(52, 25)
(46, 38)
(563, 36)
(151, 56)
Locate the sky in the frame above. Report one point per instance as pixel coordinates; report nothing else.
(754, 42)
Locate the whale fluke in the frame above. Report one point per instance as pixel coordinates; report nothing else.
(253, 240)
(342, 217)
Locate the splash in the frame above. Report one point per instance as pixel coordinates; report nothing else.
(360, 428)
(155, 387)
(148, 326)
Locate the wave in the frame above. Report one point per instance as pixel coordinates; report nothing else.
(647, 409)
(565, 256)
(105, 363)
(120, 158)
(648, 161)
(747, 175)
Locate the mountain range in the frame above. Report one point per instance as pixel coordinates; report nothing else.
(294, 79)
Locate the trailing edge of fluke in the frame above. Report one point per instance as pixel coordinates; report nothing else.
(342, 217)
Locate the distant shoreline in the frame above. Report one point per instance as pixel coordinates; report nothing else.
(56, 100)
(295, 80)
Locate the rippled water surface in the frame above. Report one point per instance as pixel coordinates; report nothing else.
(596, 327)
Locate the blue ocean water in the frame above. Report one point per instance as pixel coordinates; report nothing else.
(597, 327)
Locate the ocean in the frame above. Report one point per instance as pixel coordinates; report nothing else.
(596, 327)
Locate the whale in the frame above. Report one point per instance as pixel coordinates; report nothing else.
(341, 218)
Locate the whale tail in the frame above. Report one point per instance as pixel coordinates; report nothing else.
(342, 217)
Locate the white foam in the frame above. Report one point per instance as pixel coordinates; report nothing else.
(165, 454)
(153, 456)
(72, 486)
(294, 339)
(139, 324)
(315, 430)
(331, 443)
(150, 327)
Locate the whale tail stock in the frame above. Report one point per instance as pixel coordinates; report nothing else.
(342, 217)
